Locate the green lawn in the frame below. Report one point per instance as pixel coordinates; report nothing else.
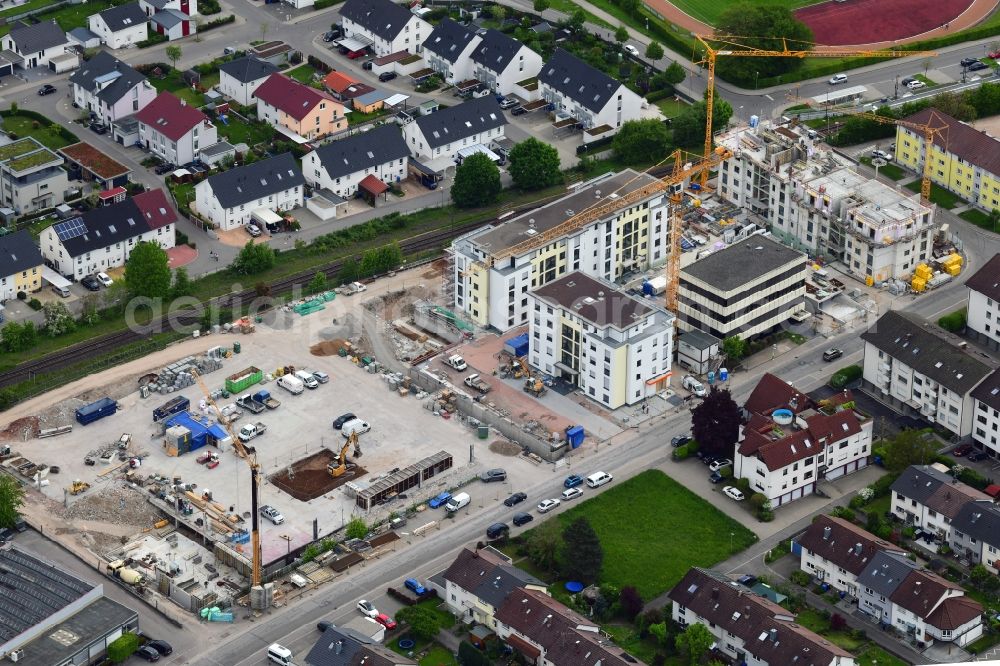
(671, 107)
(438, 656)
(68, 16)
(31, 5)
(984, 643)
(23, 126)
(978, 218)
(239, 131)
(356, 117)
(939, 195)
(872, 655)
(568, 7)
(653, 530)
(627, 638)
(921, 77)
(303, 73)
(709, 11)
(173, 82)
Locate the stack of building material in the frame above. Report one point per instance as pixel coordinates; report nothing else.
(180, 374)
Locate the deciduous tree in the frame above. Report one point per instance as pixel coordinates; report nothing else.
(11, 500)
(147, 271)
(630, 601)
(761, 26)
(734, 347)
(17, 337)
(182, 284)
(639, 141)
(654, 51)
(253, 258)
(317, 284)
(694, 642)
(477, 182)
(424, 623)
(356, 529)
(173, 53)
(909, 447)
(621, 34)
(534, 165)
(715, 423)
(583, 555)
(58, 319)
(689, 126)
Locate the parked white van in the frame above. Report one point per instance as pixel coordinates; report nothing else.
(291, 383)
(307, 378)
(355, 425)
(279, 654)
(457, 502)
(598, 479)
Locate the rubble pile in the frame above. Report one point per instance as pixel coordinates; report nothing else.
(115, 503)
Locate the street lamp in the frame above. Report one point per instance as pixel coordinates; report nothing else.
(755, 75)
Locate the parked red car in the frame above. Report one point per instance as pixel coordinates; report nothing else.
(995, 55)
(385, 621)
(961, 451)
(354, 55)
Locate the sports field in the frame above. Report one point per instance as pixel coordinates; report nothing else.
(709, 11)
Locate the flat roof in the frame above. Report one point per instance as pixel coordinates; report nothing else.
(597, 302)
(67, 638)
(551, 215)
(95, 161)
(742, 262)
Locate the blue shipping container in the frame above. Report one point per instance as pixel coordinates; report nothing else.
(517, 346)
(96, 410)
(574, 435)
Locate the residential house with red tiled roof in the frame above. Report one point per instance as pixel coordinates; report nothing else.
(930, 608)
(749, 628)
(790, 442)
(298, 111)
(966, 160)
(173, 130)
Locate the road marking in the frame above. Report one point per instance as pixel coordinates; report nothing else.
(769, 97)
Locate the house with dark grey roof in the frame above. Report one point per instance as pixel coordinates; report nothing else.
(110, 89)
(836, 551)
(975, 533)
(747, 288)
(986, 407)
(921, 370)
(173, 24)
(120, 26)
(53, 617)
(29, 46)
(448, 48)
(983, 311)
(342, 646)
(879, 581)
(340, 166)
(20, 265)
(966, 160)
(749, 628)
(151, 7)
(240, 78)
(83, 38)
(594, 99)
(103, 238)
(784, 459)
(386, 26)
(230, 198)
(609, 324)
(928, 497)
(443, 133)
(500, 62)
(478, 581)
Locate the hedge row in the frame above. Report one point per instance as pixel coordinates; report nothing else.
(845, 376)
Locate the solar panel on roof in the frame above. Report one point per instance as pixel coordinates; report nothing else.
(70, 229)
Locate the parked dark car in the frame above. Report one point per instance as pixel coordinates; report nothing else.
(148, 653)
(329, 36)
(342, 419)
(514, 499)
(160, 646)
(367, 64)
(680, 440)
(965, 62)
(962, 450)
(386, 76)
(977, 456)
(977, 66)
(747, 580)
(522, 519)
(98, 128)
(6, 534)
(91, 283)
(161, 169)
(518, 111)
(491, 475)
(47, 89)
(573, 480)
(715, 477)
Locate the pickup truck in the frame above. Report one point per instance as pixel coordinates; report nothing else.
(264, 398)
(352, 288)
(474, 381)
(251, 430)
(249, 403)
(457, 362)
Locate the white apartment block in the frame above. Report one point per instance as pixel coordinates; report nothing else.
(919, 369)
(817, 202)
(500, 62)
(790, 443)
(983, 310)
(986, 415)
(632, 238)
(745, 289)
(614, 347)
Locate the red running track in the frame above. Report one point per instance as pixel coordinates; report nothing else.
(868, 21)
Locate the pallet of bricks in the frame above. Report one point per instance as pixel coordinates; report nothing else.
(178, 375)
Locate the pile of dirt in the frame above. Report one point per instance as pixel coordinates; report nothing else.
(308, 478)
(114, 504)
(504, 447)
(328, 347)
(21, 429)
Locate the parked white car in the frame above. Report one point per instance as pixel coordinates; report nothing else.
(632, 50)
(571, 493)
(357, 425)
(547, 505)
(104, 279)
(719, 464)
(733, 493)
(367, 609)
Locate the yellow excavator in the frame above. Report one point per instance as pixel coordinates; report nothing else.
(339, 466)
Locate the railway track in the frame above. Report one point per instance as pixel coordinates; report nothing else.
(108, 343)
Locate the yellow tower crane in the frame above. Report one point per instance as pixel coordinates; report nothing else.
(732, 47)
(250, 456)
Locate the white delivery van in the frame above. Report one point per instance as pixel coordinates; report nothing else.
(307, 379)
(291, 383)
(279, 654)
(355, 425)
(457, 502)
(598, 479)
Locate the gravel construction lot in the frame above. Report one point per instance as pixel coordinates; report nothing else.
(403, 432)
